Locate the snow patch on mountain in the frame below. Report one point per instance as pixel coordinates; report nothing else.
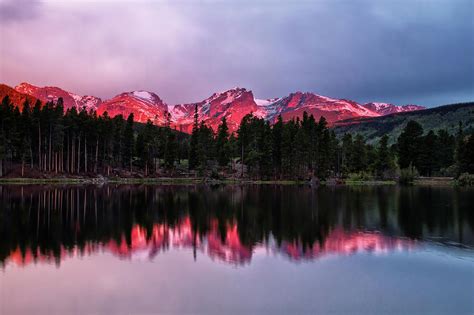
(387, 108)
(178, 112)
(147, 96)
(90, 102)
(26, 88)
(265, 102)
(230, 96)
(268, 108)
(205, 108)
(327, 99)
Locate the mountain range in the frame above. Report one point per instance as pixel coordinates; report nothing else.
(232, 104)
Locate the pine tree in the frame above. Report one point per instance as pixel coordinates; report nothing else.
(301, 151)
(277, 133)
(409, 144)
(426, 163)
(36, 133)
(205, 147)
(465, 153)
(222, 146)
(287, 148)
(321, 139)
(146, 144)
(243, 139)
(171, 150)
(265, 147)
(469, 156)
(346, 153)
(4, 117)
(444, 152)
(359, 154)
(25, 125)
(128, 142)
(383, 161)
(193, 145)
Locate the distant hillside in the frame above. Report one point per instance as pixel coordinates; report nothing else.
(443, 117)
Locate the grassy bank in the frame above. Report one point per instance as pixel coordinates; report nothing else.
(435, 181)
(369, 182)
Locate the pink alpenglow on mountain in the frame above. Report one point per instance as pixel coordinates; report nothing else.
(387, 109)
(51, 93)
(295, 104)
(232, 104)
(144, 106)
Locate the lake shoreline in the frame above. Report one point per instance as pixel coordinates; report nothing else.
(438, 181)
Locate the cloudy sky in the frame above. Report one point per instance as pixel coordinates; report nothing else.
(405, 51)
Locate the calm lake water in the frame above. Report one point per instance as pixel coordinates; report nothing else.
(134, 249)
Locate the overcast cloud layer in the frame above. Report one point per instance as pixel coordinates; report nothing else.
(395, 51)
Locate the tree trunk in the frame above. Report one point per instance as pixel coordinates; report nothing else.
(73, 146)
(31, 156)
(96, 155)
(79, 155)
(242, 162)
(85, 154)
(39, 146)
(67, 154)
(50, 150)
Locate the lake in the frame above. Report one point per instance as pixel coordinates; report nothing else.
(252, 249)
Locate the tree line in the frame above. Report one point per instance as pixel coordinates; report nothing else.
(48, 140)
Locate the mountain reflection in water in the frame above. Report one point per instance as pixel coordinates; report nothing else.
(49, 224)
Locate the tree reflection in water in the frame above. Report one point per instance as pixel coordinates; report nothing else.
(227, 223)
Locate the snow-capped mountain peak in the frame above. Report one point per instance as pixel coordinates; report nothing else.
(52, 93)
(26, 88)
(143, 104)
(228, 96)
(146, 96)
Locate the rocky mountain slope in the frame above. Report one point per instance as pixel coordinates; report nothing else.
(233, 104)
(144, 106)
(387, 109)
(16, 97)
(52, 93)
